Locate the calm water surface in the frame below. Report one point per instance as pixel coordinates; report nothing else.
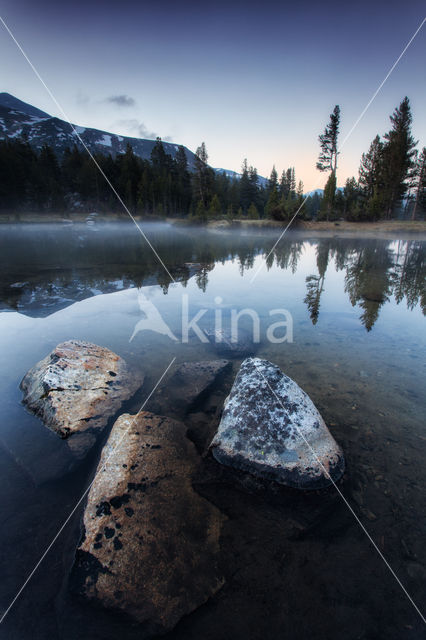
(296, 565)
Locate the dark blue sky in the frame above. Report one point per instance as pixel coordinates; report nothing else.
(255, 80)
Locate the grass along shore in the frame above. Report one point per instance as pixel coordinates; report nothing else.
(334, 227)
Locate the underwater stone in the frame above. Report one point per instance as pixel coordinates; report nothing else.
(188, 387)
(228, 346)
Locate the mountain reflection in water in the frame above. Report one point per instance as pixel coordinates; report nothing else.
(72, 263)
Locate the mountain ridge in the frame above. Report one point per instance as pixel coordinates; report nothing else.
(21, 119)
(7, 100)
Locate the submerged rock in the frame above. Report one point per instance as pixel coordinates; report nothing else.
(150, 542)
(226, 345)
(271, 428)
(76, 389)
(188, 387)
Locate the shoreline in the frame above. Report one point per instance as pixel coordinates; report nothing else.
(416, 228)
(338, 227)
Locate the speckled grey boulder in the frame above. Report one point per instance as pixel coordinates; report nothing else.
(271, 428)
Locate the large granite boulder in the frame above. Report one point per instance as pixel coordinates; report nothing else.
(272, 429)
(188, 387)
(76, 389)
(150, 543)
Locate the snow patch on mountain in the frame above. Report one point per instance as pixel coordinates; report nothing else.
(20, 119)
(106, 140)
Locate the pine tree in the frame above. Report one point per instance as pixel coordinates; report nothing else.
(183, 186)
(284, 185)
(273, 180)
(288, 184)
(273, 206)
(370, 171)
(201, 153)
(398, 157)
(329, 196)
(215, 208)
(252, 213)
(129, 176)
(245, 188)
(313, 205)
(420, 185)
(158, 152)
(253, 182)
(143, 193)
(201, 158)
(292, 182)
(49, 176)
(181, 159)
(350, 196)
(200, 211)
(327, 160)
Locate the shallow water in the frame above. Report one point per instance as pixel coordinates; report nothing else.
(296, 565)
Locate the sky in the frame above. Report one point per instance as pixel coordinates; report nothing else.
(255, 80)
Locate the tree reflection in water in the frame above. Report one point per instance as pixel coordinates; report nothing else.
(375, 270)
(47, 267)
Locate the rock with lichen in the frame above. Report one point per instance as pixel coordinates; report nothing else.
(271, 428)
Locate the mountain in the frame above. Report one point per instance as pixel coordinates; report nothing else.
(229, 173)
(19, 119)
(6, 100)
(320, 192)
(262, 182)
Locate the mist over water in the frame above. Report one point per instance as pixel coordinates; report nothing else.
(358, 306)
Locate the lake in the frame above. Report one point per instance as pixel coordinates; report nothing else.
(297, 565)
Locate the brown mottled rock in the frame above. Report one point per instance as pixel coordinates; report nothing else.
(188, 387)
(76, 389)
(150, 543)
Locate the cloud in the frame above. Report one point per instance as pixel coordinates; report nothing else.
(121, 101)
(138, 129)
(82, 99)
